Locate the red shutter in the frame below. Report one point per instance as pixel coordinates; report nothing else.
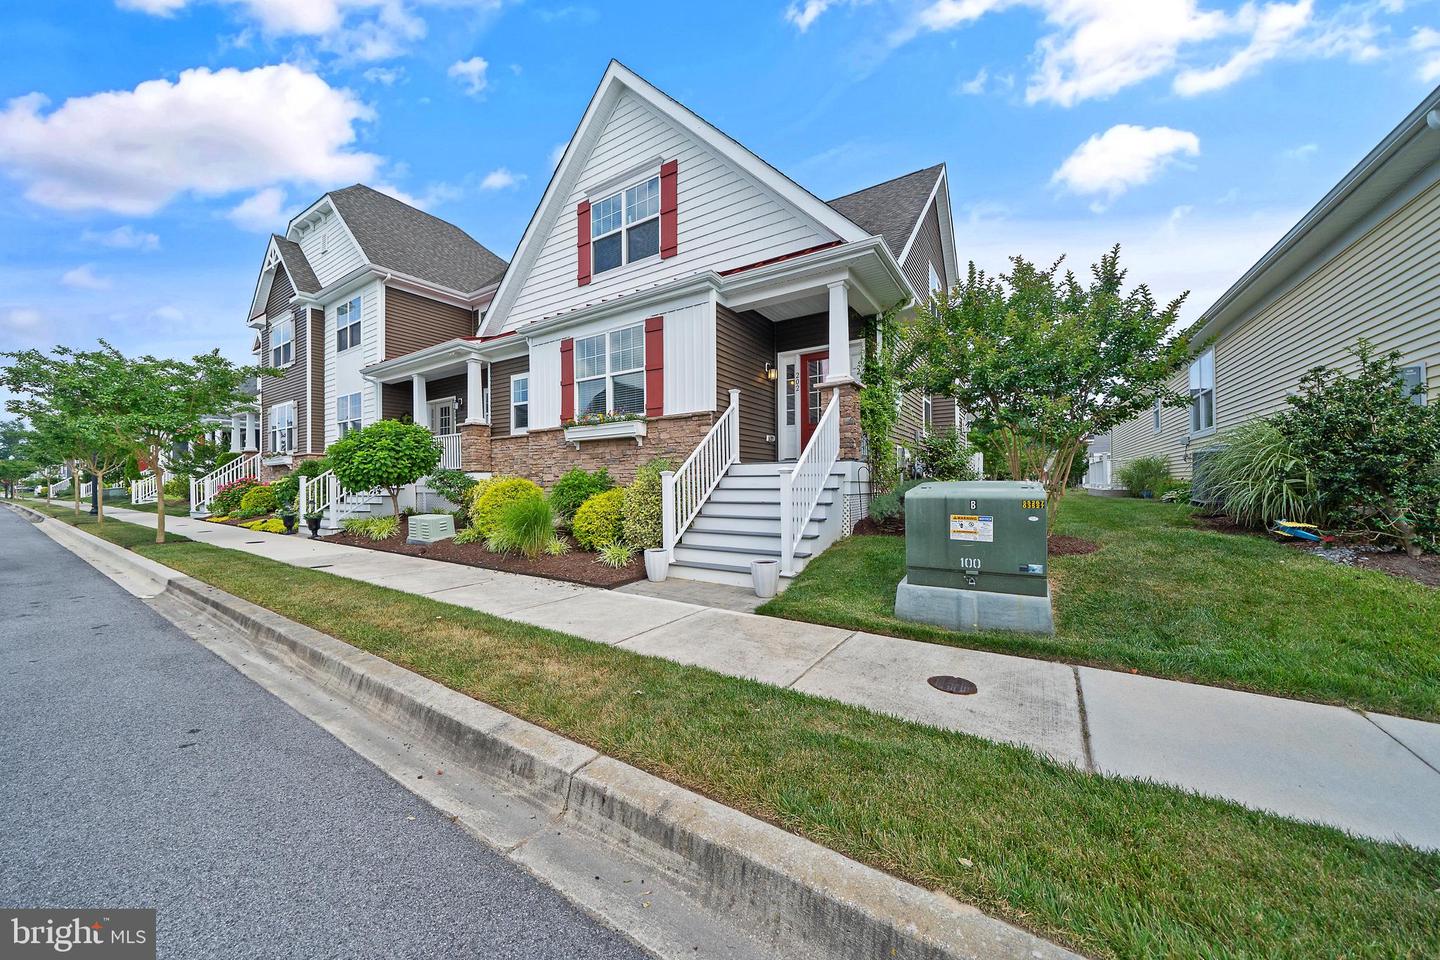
(567, 379)
(655, 367)
(669, 205)
(582, 222)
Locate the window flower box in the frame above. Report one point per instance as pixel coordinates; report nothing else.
(609, 428)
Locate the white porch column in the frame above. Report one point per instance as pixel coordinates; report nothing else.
(250, 445)
(839, 332)
(420, 413)
(475, 391)
(235, 429)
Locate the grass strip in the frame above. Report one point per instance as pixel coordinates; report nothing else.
(1109, 867)
(1170, 599)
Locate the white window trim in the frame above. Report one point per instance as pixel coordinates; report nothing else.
(609, 375)
(358, 419)
(358, 314)
(935, 282)
(927, 413)
(1196, 393)
(1155, 417)
(274, 431)
(625, 227)
(1422, 398)
(274, 344)
(516, 432)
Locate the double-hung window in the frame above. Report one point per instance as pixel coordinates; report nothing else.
(520, 403)
(625, 226)
(610, 371)
(934, 278)
(1155, 425)
(1202, 393)
(282, 342)
(347, 325)
(927, 412)
(347, 412)
(282, 428)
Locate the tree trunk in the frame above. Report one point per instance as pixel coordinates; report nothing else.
(99, 482)
(74, 485)
(395, 502)
(159, 494)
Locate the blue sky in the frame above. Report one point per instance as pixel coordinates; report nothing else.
(148, 146)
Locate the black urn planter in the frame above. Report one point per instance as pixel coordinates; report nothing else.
(314, 524)
(289, 520)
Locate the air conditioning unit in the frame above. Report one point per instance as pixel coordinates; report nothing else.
(1202, 492)
(431, 528)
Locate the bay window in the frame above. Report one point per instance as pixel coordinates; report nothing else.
(610, 372)
(625, 226)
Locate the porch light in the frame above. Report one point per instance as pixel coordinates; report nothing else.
(771, 372)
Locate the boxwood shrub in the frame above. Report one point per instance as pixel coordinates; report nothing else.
(600, 520)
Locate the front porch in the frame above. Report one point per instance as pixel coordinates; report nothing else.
(448, 390)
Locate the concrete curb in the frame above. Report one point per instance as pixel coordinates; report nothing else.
(801, 898)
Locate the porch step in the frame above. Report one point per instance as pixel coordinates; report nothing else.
(745, 541)
(733, 559)
(743, 525)
(752, 505)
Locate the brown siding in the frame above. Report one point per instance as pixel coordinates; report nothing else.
(414, 322)
(291, 385)
(316, 327)
(942, 415)
(912, 419)
(744, 344)
(924, 251)
(281, 291)
(500, 374)
(446, 387)
(396, 401)
(812, 331)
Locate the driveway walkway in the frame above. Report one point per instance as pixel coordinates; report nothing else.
(1371, 774)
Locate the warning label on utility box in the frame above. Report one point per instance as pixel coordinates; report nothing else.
(973, 529)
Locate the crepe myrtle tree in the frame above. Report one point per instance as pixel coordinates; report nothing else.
(388, 454)
(1044, 360)
(16, 455)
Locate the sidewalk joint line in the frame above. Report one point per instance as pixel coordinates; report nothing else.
(1084, 723)
(1402, 743)
(816, 663)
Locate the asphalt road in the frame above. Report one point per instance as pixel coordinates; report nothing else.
(139, 770)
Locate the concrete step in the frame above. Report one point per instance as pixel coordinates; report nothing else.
(743, 524)
(768, 543)
(739, 558)
(732, 505)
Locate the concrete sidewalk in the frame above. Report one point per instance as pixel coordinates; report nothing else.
(1370, 774)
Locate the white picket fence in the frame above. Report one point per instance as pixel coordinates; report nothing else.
(800, 489)
(685, 491)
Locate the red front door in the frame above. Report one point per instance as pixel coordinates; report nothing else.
(815, 368)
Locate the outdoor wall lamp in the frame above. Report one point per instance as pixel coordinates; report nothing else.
(771, 373)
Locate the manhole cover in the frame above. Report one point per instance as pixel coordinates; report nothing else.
(956, 685)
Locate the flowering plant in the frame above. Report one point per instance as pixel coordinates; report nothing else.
(595, 419)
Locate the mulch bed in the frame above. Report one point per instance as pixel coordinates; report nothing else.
(1060, 546)
(577, 566)
(1351, 551)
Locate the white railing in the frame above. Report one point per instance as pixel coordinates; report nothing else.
(86, 489)
(203, 490)
(450, 450)
(63, 485)
(144, 490)
(800, 488)
(323, 493)
(685, 491)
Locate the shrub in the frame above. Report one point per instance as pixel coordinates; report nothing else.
(600, 520)
(526, 525)
(472, 498)
(386, 455)
(1257, 477)
(453, 485)
(468, 535)
(577, 486)
(177, 488)
(643, 522)
(271, 525)
(889, 506)
(944, 456)
(372, 528)
(499, 494)
(258, 500)
(616, 554)
(1145, 473)
(227, 497)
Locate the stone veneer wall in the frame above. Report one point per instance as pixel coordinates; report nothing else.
(851, 435)
(543, 455)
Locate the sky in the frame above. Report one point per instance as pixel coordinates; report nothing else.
(147, 147)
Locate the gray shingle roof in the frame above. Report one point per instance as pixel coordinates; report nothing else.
(890, 209)
(396, 235)
(302, 278)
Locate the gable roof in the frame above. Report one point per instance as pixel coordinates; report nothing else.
(302, 277)
(393, 234)
(891, 209)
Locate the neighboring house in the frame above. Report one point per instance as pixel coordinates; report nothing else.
(671, 280)
(1362, 263)
(360, 278)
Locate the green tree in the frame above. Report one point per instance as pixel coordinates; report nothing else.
(882, 375)
(387, 455)
(1045, 361)
(1373, 453)
(16, 461)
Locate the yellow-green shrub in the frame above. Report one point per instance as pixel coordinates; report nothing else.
(499, 494)
(599, 521)
(273, 525)
(643, 519)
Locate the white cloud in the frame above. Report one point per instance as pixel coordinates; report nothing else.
(804, 14)
(123, 237)
(84, 277)
(557, 153)
(260, 212)
(385, 76)
(1426, 42)
(1272, 28)
(471, 73)
(1125, 156)
(22, 319)
(1301, 153)
(500, 179)
(976, 84)
(210, 133)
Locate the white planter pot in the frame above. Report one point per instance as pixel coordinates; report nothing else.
(765, 575)
(657, 564)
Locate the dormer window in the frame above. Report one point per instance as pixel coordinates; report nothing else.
(625, 226)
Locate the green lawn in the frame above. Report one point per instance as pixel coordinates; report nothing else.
(172, 509)
(1169, 599)
(1113, 868)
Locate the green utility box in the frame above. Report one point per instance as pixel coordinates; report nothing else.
(976, 557)
(431, 528)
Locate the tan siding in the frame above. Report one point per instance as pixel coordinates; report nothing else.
(500, 374)
(413, 322)
(942, 415)
(1385, 287)
(744, 344)
(923, 252)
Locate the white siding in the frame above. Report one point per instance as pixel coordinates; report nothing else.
(724, 218)
(545, 385)
(1385, 287)
(690, 358)
(342, 370)
(330, 250)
